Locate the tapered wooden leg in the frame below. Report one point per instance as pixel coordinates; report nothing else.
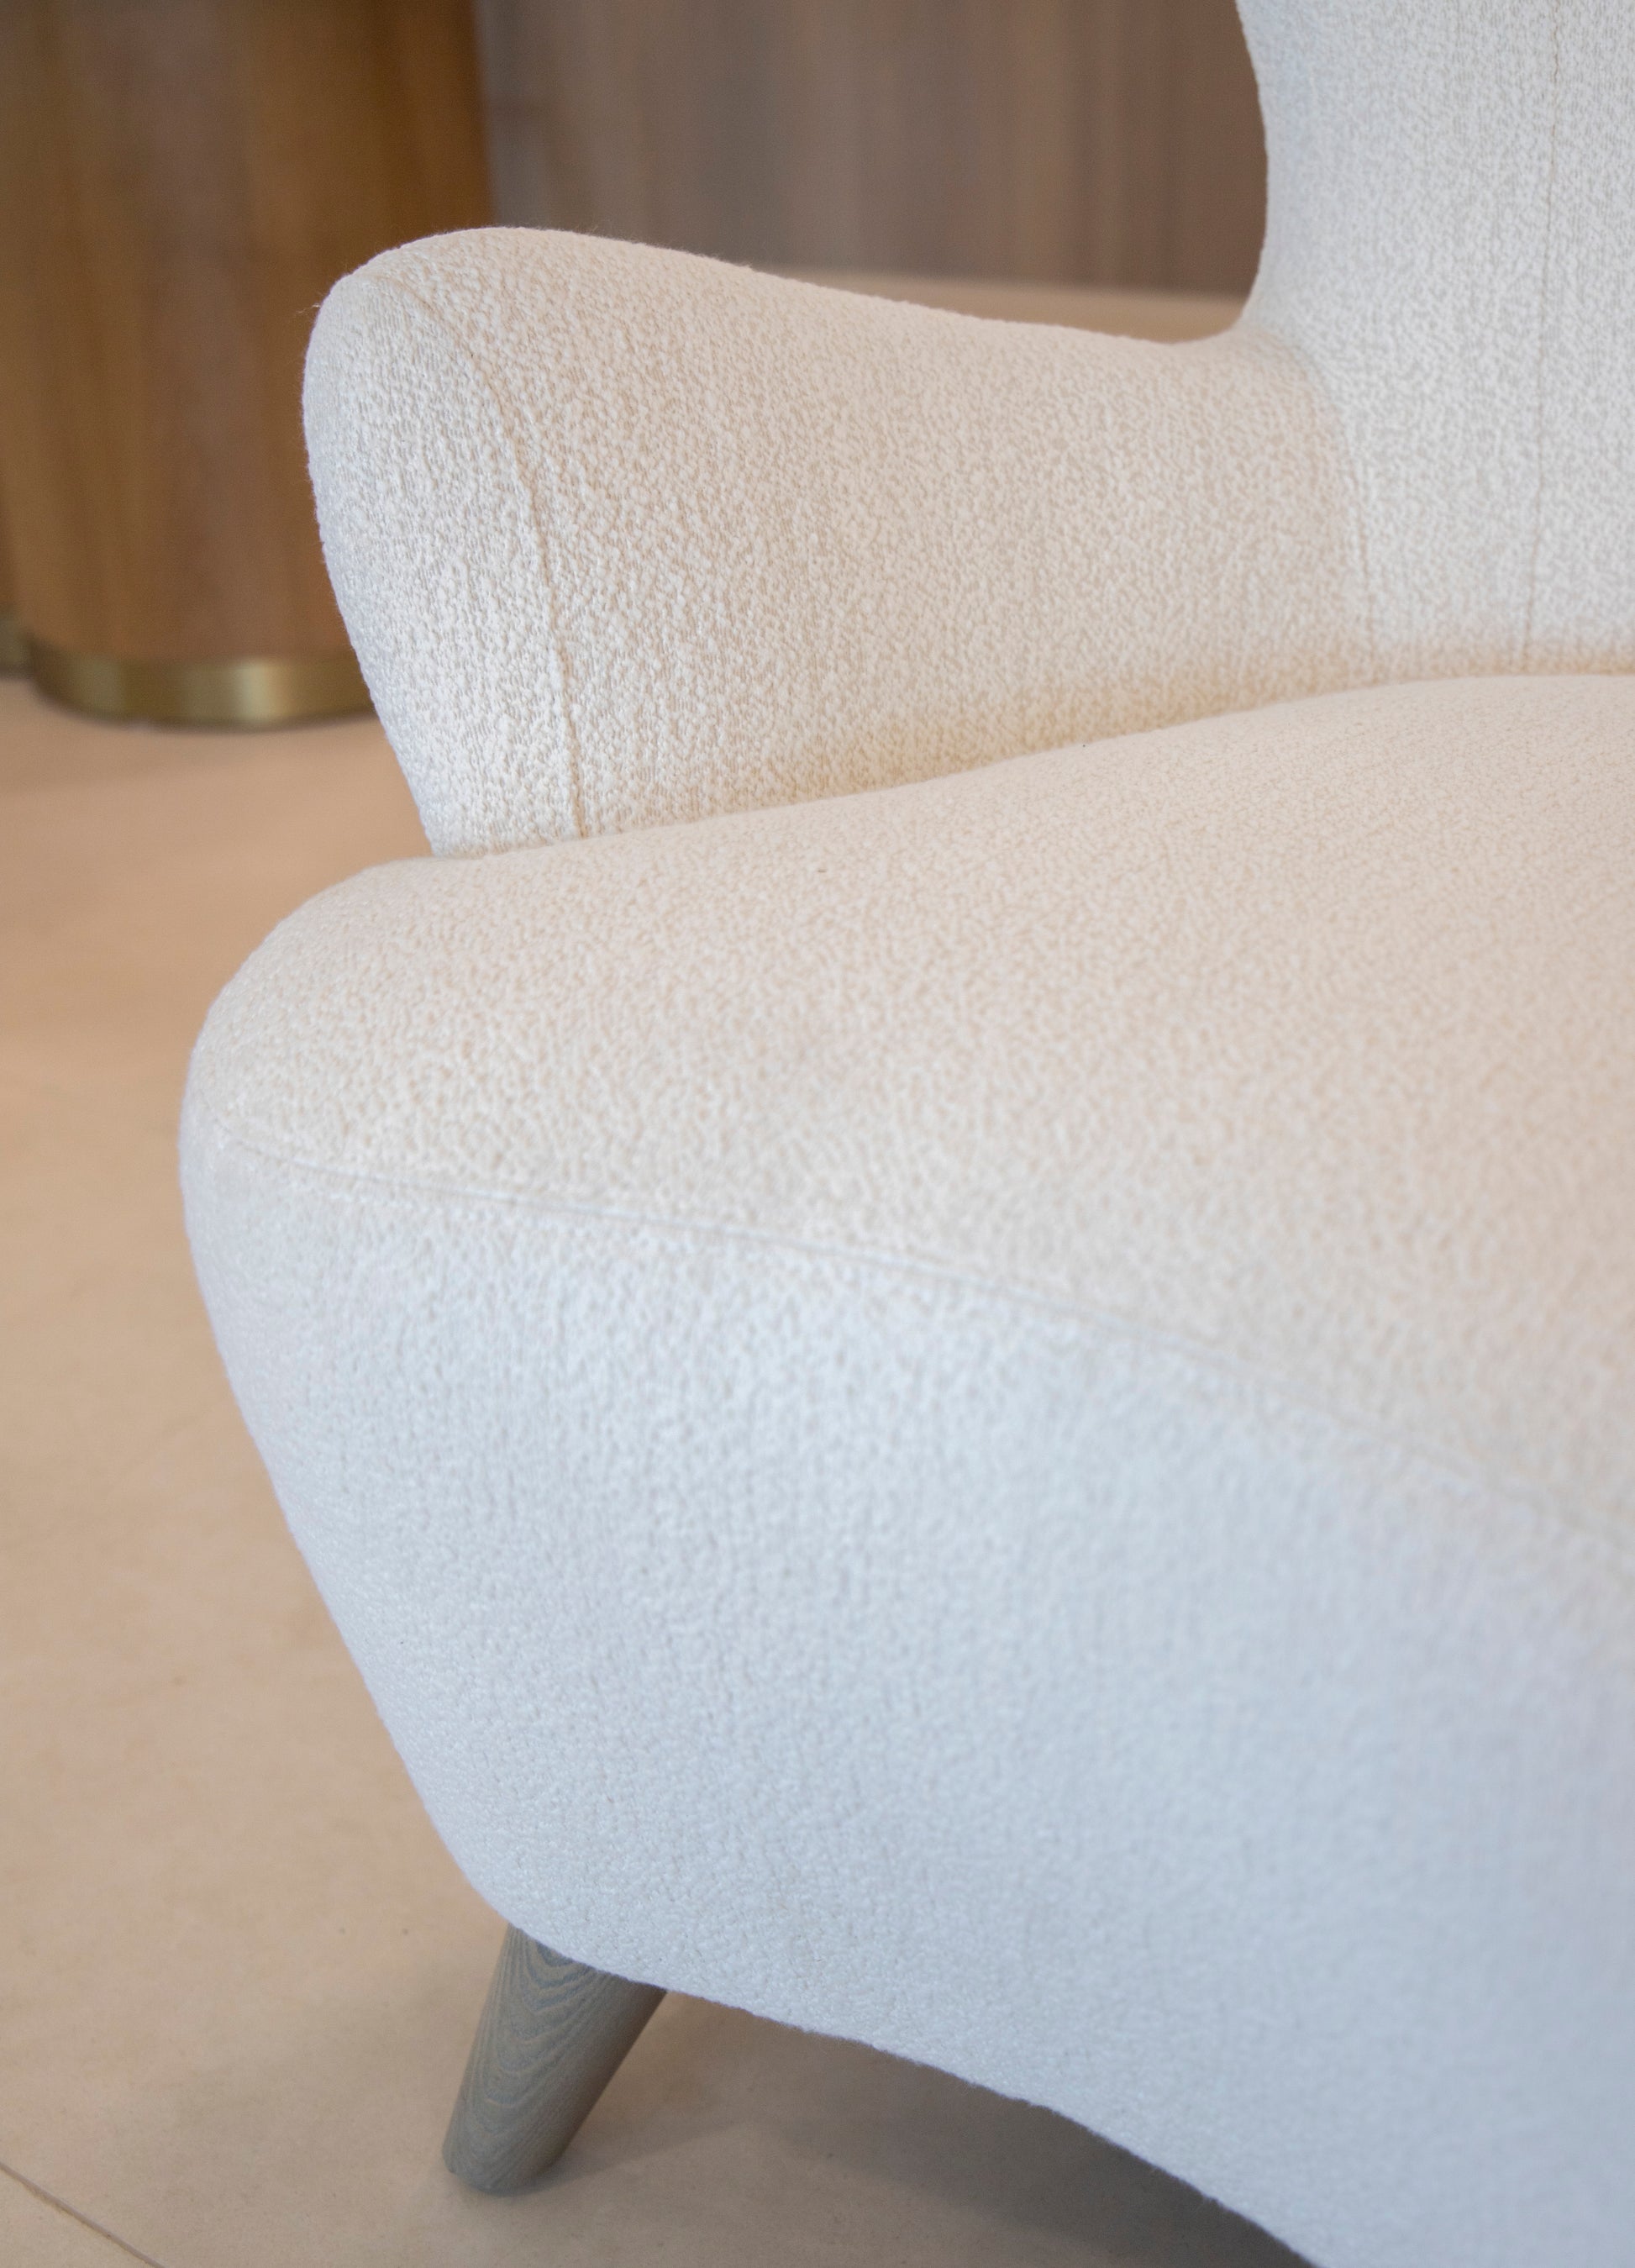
(552, 2035)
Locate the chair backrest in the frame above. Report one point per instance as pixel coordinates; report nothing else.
(1451, 245)
(625, 538)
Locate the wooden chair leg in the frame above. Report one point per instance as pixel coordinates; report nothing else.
(552, 2033)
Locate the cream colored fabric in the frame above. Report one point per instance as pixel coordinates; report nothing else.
(725, 540)
(1451, 248)
(1111, 309)
(996, 1417)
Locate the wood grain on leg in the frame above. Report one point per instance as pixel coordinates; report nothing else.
(552, 2035)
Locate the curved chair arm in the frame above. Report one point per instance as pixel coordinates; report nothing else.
(624, 536)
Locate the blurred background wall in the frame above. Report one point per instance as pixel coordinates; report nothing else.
(1112, 142)
(180, 181)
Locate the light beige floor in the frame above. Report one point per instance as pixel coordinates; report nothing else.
(239, 1974)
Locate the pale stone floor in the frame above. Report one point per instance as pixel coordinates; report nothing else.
(238, 1972)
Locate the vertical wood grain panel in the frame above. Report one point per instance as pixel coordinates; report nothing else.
(1111, 142)
(12, 651)
(180, 181)
(1218, 195)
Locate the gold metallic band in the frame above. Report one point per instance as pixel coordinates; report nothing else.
(221, 693)
(13, 645)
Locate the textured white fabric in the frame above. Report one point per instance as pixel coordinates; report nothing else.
(723, 539)
(1451, 246)
(623, 536)
(996, 1417)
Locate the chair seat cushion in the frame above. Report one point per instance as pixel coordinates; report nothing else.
(998, 1417)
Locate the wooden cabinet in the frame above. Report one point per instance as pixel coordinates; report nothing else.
(180, 181)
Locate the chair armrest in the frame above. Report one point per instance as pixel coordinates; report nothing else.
(624, 537)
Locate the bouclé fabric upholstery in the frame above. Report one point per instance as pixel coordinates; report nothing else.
(950, 1322)
(771, 541)
(727, 539)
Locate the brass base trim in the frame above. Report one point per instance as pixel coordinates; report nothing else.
(13, 644)
(248, 693)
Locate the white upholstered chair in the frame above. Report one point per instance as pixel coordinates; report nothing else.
(950, 1311)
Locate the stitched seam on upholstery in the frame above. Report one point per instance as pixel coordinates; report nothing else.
(1351, 481)
(479, 369)
(1526, 660)
(1109, 1320)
